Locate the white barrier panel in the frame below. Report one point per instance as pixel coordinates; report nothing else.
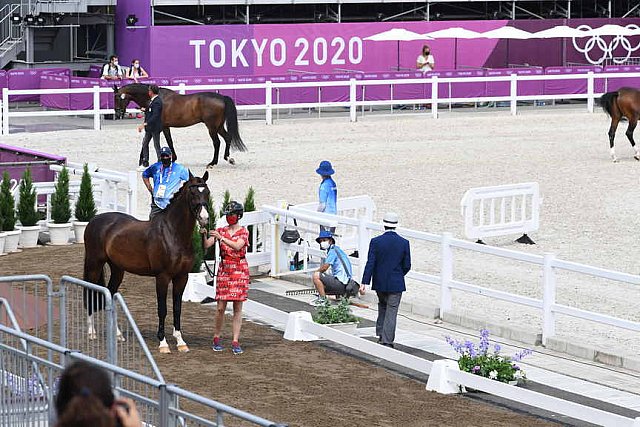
(501, 210)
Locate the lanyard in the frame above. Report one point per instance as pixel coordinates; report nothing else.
(168, 174)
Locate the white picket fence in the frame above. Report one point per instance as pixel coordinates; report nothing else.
(112, 190)
(352, 104)
(501, 210)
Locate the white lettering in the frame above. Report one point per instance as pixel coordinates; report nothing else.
(272, 52)
(305, 47)
(196, 44)
(335, 59)
(212, 56)
(259, 50)
(236, 53)
(320, 51)
(355, 50)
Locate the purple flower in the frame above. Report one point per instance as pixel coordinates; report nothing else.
(475, 369)
(471, 348)
(484, 341)
(522, 354)
(457, 346)
(497, 348)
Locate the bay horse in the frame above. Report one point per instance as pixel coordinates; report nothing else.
(623, 103)
(161, 248)
(179, 111)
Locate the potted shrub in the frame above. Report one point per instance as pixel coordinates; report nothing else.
(60, 211)
(250, 206)
(8, 214)
(225, 201)
(27, 215)
(85, 206)
(337, 316)
(479, 360)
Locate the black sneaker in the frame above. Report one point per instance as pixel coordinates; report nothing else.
(207, 300)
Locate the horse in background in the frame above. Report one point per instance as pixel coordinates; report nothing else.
(623, 103)
(161, 248)
(209, 108)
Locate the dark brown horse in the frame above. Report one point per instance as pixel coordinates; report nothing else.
(624, 102)
(161, 248)
(180, 111)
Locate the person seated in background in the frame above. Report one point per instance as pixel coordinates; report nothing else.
(136, 71)
(85, 398)
(341, 271)
(425, 61)
(112, 70)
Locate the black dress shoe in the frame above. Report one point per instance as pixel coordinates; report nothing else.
(386, 344)
(379, 340)
(207, 300)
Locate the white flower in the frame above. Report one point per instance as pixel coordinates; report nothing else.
(493, 374)
(517, 375)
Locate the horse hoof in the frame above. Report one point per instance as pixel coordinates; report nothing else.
(614, 160)
(120, 338)
(164, 350)
(183, 348)
(637, 157)
(93, 336)
(210, 166)
(231, 161)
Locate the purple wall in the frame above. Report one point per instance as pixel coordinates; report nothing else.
(194, 50)
(133, 43)
(40, 173)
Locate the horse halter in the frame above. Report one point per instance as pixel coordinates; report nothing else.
(205, 205)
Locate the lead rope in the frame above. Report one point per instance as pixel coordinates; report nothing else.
(215, 258)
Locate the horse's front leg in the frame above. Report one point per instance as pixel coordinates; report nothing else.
(162, 284)
(167, 135)
(179, 284)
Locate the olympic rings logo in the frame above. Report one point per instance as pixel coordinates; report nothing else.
(606, 49)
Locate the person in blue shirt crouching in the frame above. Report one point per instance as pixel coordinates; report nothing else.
(336, 282)
(167, 177)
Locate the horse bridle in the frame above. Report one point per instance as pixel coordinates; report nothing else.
(204, 205)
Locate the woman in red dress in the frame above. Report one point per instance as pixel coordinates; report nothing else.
(233, 273)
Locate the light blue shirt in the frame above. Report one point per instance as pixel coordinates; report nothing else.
(328, 195)
(171, 178)
(336, 265)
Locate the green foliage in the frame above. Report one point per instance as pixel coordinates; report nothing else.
(198, 250)
(250, 206)
(60, 208)
(341, 313)
(225, 202)
(210, 252)
(7, 204)
(27, 206)
(86, 206)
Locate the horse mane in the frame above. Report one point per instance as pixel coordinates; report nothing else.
(136, 88)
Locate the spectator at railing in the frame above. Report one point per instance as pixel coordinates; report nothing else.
(136, 71)
(85, 398)
(112, 70)
(327, 193)
(425, 61)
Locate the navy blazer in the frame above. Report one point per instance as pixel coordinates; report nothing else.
(153, 116)
(388, 261)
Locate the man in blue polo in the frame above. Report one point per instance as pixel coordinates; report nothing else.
(167, 178)
(327, 193)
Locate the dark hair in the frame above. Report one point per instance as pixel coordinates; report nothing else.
(134, 60)
(389, 228)
(426, 46)
(112, 57)
(154, 89)
(84, 397)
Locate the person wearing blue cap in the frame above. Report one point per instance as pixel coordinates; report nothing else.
(167, 178)
(341, 271)
(328, 192)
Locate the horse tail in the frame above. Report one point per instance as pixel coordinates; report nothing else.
(231, 116)
(608, 102)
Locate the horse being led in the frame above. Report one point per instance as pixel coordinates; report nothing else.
(179, 111)
(624, 102)
(161, 248)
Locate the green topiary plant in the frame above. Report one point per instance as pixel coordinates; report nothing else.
(198, 250)
(60, 209)
(250, 206)
(86, 206)
(27, 206)
(225, 201)
(341, 313)
(7, 204)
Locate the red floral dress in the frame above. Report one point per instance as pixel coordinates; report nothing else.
(233, 274)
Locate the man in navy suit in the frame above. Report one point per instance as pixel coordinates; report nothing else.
(388, 262)
(152, 126)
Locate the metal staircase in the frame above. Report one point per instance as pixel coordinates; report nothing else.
(11, 35)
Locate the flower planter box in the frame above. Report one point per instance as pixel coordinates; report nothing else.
(349, 328)
(59, 233)
(12, 240)
(78, 230)
(29, 236)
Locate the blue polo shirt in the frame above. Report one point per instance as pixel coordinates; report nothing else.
(336, 265)
(170, 177)
(328, 196)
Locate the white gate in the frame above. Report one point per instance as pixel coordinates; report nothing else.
(502, 210)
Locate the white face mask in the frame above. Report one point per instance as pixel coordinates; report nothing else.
(324, 244)
(136, 65)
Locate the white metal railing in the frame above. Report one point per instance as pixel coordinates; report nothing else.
(269, 105)
(300, 327)
(548, 264)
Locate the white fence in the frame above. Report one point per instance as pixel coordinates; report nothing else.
(300, 327)
(279, 255)
(353, 103)
(501, 210)
(112, 190)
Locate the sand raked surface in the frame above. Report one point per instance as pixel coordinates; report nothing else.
(421, 168)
